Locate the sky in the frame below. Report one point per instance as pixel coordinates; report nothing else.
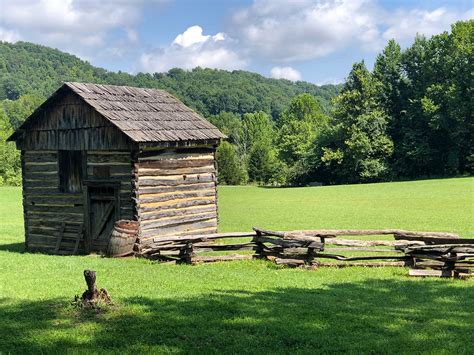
(311, 40)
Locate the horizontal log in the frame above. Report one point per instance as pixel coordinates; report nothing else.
(371, 250)
(430, 273)
(173, 221)
(270, 254)
(37, 219)
(109, 152)
(170, 155)
(354, 258)
(40, 168)
(360, 264)
(289, 262)
(370, 243)
(287, 243)
(43, 175)
(436, 240)
(176, 171)
(40, 189)
(67, 208)
(439, 264)
(173, 163)
(34, 157)
(211, 259)
(188, 187)
(145, 216)
(336, 232)
(203, 237)
(184, 228)
(175, 180)
(29, 182)
(148, 240)
(206, 247)
(175, 204)
(295, 236)
(161, 197)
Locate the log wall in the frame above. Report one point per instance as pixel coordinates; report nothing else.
(45, 207)
(176, 192)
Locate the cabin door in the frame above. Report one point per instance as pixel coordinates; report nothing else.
(102, 211)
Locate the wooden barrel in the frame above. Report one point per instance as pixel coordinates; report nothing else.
(123, 238)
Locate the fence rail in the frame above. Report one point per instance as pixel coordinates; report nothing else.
(446, 252)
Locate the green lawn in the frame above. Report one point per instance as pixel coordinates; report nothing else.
(251, 306)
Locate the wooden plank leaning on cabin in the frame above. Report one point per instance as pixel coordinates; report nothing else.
(176, 192)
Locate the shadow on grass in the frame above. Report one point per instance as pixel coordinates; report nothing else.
(13, 247)
(374, 316)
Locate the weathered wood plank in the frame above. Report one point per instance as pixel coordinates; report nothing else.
(174, 221)
(177, 212)
(175, 204)
(175, 180)
(211, 259)
(161, 197)
(184, 228)
(177, 171)
(431, 273)
(335, 232)
(165, 189)
(174, 163)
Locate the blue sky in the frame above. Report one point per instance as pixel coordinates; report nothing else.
(312, 40)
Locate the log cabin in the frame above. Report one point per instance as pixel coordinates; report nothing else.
(93, 154)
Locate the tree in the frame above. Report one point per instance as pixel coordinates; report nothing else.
(231, 125)
(355, 148)
(257, 128)
(299, 125)
(230, 170)
(12, 115)
(262, 164)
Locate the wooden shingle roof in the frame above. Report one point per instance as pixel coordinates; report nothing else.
(146, 115)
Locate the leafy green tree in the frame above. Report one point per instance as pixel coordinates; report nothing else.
(230, 170)
(257, 128)
(12, 114)
(300, 123)
(231, 125)
(262, 163)
(355, 148)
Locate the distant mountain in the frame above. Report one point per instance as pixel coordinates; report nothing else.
(27, 68)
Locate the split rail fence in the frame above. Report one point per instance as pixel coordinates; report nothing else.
(427, 253)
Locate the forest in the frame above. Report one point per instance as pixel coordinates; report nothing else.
(409, 117)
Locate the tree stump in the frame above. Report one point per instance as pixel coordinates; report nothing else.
(92, 295)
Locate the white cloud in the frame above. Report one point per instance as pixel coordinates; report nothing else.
(403, 25)
(300, 30)
(193, 35)
(285, 73)
(78, 26)
(8, 35)
(191, 49)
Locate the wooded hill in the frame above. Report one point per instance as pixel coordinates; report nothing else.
(27, 68)
(409, 117)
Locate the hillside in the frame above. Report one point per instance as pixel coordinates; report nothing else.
(29, 68)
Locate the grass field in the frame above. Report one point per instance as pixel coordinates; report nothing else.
(251, 306)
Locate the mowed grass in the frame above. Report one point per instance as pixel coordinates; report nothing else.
(251, 306)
